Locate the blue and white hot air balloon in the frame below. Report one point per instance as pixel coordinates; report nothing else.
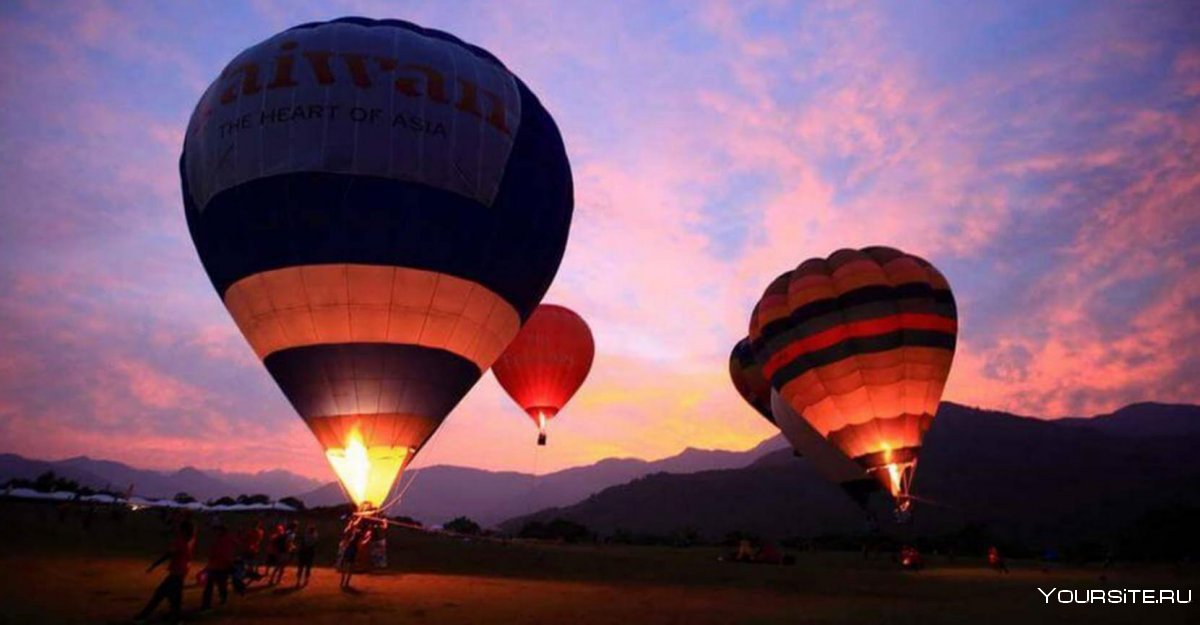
(380, 206)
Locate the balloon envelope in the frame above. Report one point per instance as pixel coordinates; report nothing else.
(547, 362)
(746, 374)
(829, 462)
(860, 344)
(379, 206)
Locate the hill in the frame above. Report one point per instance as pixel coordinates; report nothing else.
(440, 493)
(1144, 420)
(1027, 479)
(149, 483)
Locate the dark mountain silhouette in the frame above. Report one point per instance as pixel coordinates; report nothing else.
(1025, 479)
(118, 477)
(275, 483)
(1146, 419)
(14, 466)
(440, 493)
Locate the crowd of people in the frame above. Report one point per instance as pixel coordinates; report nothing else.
(258, 554)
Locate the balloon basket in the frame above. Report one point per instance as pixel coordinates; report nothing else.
(542, 439)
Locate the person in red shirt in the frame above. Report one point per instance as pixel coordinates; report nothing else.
(252, 540)
(995, 560)
(251, 543)
(911, 559)
(179, 556)
(221, 556)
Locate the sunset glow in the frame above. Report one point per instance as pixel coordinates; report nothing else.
(1044, 158)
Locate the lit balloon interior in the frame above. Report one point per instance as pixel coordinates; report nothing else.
(367, 473)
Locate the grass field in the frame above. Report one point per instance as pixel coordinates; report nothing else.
(54, 571)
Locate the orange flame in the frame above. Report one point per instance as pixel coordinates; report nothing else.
(367, 473)
(895, 472)
(894, 475)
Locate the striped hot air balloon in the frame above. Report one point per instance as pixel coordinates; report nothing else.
(860, 344)
(828, 461)
(546, 363)
(747, 377)
(379, 206)
(807, 443)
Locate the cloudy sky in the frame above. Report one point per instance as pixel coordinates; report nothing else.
(1044, 155)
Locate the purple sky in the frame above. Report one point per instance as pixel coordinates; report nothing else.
(1046, 156)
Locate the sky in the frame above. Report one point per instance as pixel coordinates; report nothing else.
(1044, 155)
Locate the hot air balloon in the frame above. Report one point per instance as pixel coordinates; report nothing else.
(379, 207)
(546, 363)
(746, 374)
(829, 462)
(859, 344)
(806, 442)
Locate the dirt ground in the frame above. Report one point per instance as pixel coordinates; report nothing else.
(59, 571)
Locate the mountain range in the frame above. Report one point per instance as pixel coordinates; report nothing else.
(1028, 476)
(1028, 479)
(116, 476)
(440, 493)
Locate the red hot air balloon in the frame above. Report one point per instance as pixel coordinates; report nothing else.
(547, 362)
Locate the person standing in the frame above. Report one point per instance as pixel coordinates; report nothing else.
(306, 554)
(378, 548)
(277, 547)
(350, 540)
(745, 551)
(251, 545)
(179, 554)
(995, 560)
(220, 566)
(287, 551)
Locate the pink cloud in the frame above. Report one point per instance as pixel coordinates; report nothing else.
(155, 389)
(1040, 194)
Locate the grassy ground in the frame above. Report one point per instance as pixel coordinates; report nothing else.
(55, 571)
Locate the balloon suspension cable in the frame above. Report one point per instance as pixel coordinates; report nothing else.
(400, 493)
(905, 499)
(395, 500)
(345, 491)
(367, 513)
(931, 502)
(898, 479)
(533, 480)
